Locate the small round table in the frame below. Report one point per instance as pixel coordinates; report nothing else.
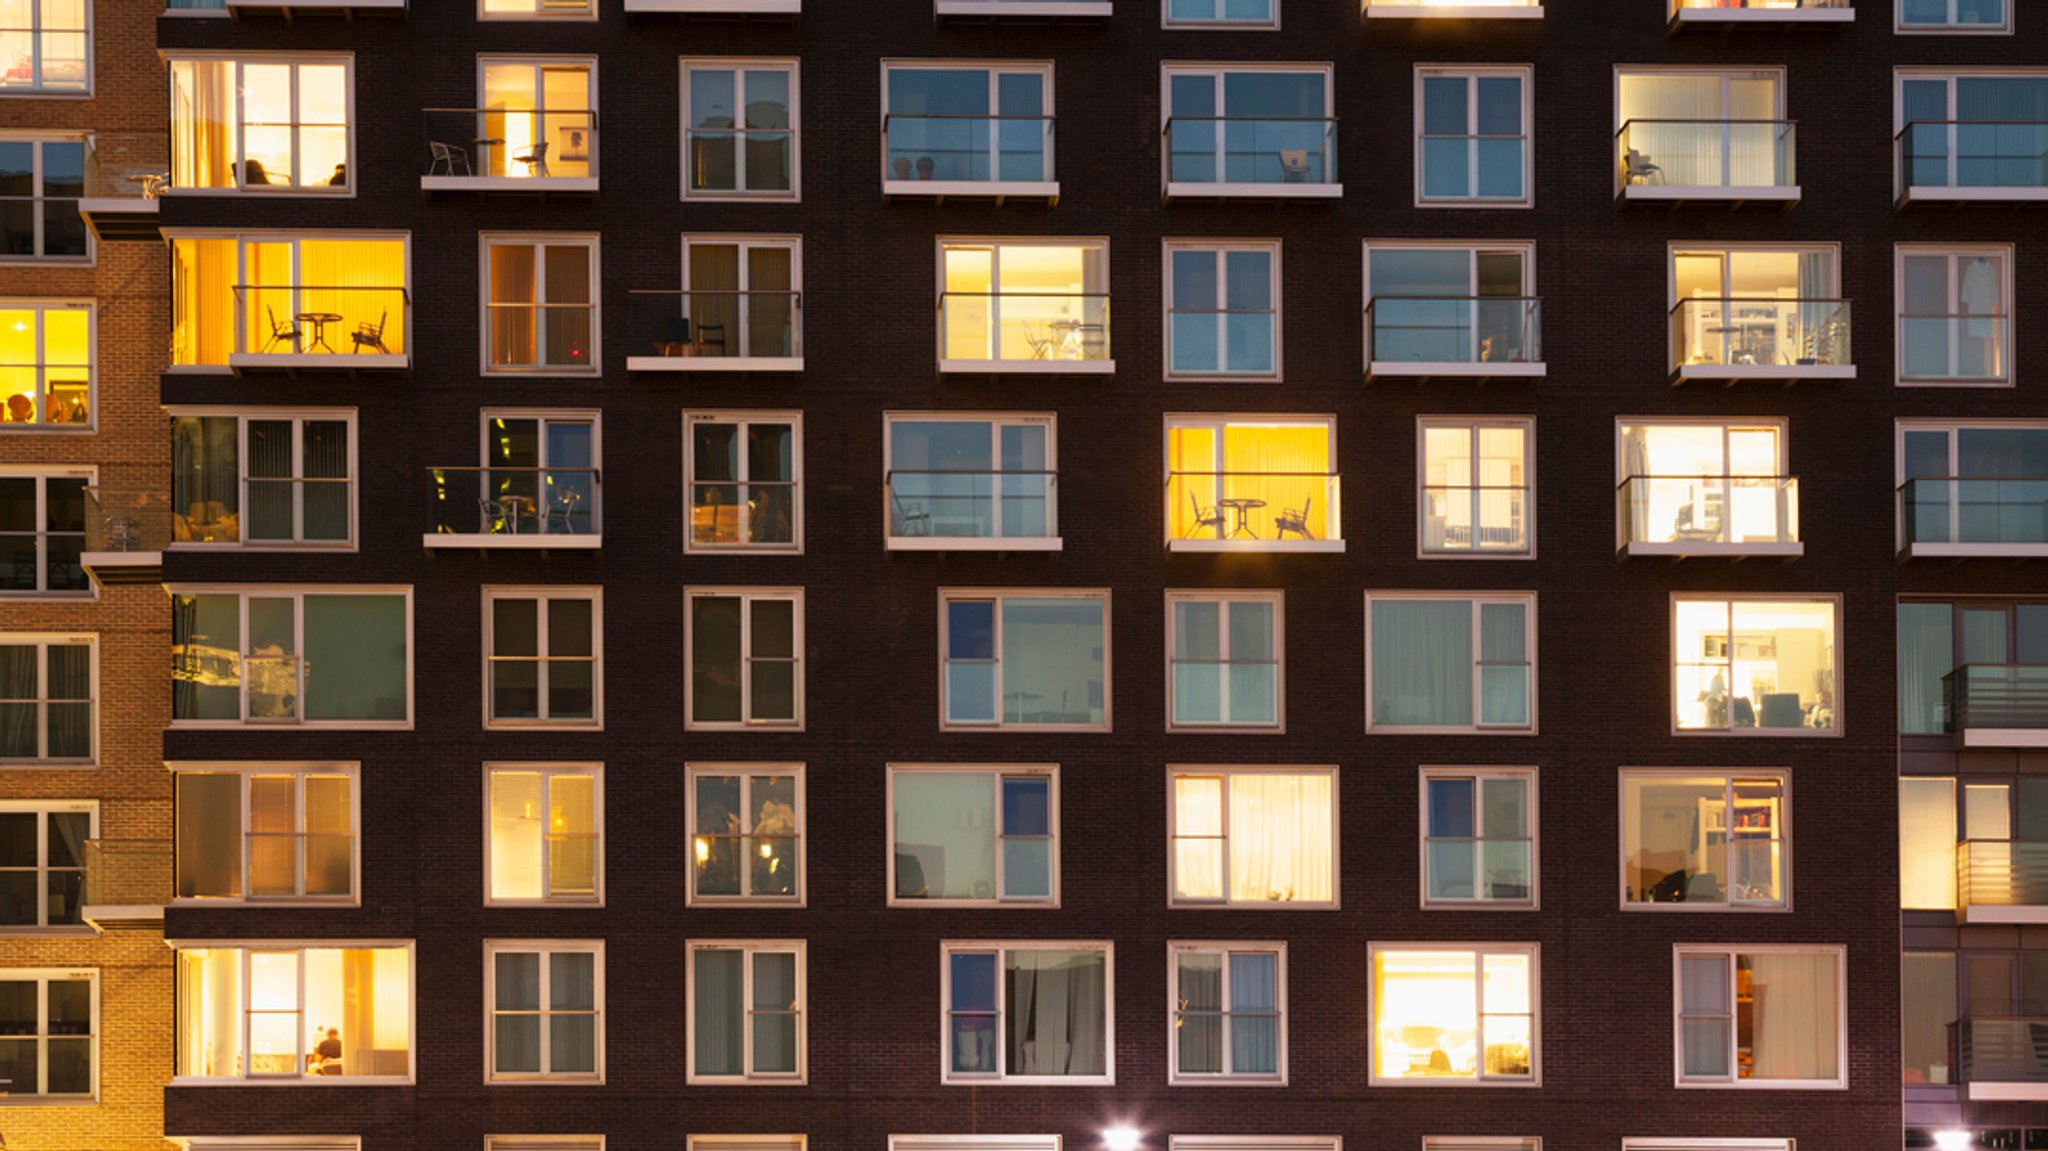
(516, 506)
(1240, 510)
(319, 320)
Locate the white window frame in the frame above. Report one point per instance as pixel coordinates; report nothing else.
(546, 949)
(1216, 71)
(999, 596)
(1471, 74)
(948, 948)
(1728, 478)
(740, 337)
(41, 869)
(1166, 20)
(1477, 599)
(997, 773)
(1779, 78)
(244, 948)
(298, 770)
(1949, 427)
(1731, 952)
(1704, 1143)
(1478, 775)
(1098, 246)
(1472, 365)
(1486, 1143)
(745, 1143)
(1725, 250)
(1220, 423)
(298, 418)
(995, 69)
(41, 307)
(1479, 951)
(42, 475)
(1956, 254)
(1220, 249)
(239, 156)
(541, 63)
(748, 949)
(975, 1142)
(996, 422)
(1230, 1078)
(1179, 771)
(1474, 425)
(39, 197)
(743, 418)
(42, 642)
(1901, 28)
(541, 596)
(1225, 598)
(739, 65)
(1730, 600)
(1729, 777)
(246, 339)
(38, 89)
(539, 241)
(746, 594)
(583, 10)
(744, 771)
(543, 418)
(42, 977)
(297, 593)
(547, 771)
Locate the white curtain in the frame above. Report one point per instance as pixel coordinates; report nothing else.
(1057, 1012)
(1279, 838)
(1197, 837)
(1422, 662)
(1794, 1032)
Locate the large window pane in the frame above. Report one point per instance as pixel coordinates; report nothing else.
(357, 658)
(1057, 1012)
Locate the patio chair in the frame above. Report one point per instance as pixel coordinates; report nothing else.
(1641, 170)
(366, 336)
(1205, 518)
(280, 332)
(449, 160)
(491, 514)
(561, 513)
(675, 336)
(1294, 165)
(912, 519)
(710, 336)
(535, 159)
(1288, 520)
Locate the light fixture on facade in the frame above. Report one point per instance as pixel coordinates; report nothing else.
(1952, 1140)
(1125, 1138)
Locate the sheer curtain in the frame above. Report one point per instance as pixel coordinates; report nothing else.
(1285, 466)
(718, 1010)
(1689, 154)
(1926, 654)
(1795, 1026)
(1199, 1025)
(774, 1013)
(18, 695)
(1422, 662)
(1057, 1011)
(1279, 838)
(202, 116)
(1198, 837)
(1504, 649)
(714, 279)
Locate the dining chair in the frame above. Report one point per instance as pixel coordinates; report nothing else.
(1288, 520)
(561, 513)
(366, 336)
(280, 332)
(449, 159)
(1204, 517)
(535, 159)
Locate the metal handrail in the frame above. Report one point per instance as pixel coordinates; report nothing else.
(1723, 476)
(1689, 120)
(794, 294)
(515, 469)
(589, 112)
(1694, 300)
(1046, 118)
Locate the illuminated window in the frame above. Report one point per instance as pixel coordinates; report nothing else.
(1754, 666)
(1704, 484)
(1955, 308)
(544, 657)
(1223, 309)
(1758, 309)
(1223, 14)
(48, 706)
(739, 128)
(1954, 16)
(269, 481)
(1694, 840)
(539, 475)
(1449, 1015)
(42, 862)
(1927, 843)
(1712, 134)
(1478, 494)
(1479, 836)
(1254, 483)
(46, 365)
(745, 477)
(262, 124)
(42, 534)
(1229, 1012)
(1761, 1016)
(1223, 657)
(1465, 663)
(50, 1021)
(41, 182)
(1038, 661)
(951, 125)
(1024, 306)
(973, 835)
(45, 46)
(547, 833)
(540, 303)
(536, 9)
(964, 482)
(290, 300)
(318, 658)
(745, 650)
(1472, 136)
(295, 1012)
(1024, 1013)
(747, 822)
(747, 1012)
(536, 118)
(547, 1010)
(1253, 836)
(266, 832)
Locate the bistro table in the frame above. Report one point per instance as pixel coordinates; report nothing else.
(319, 320)
(1240, 510)
(516, 506)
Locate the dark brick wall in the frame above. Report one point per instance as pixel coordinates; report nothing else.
(871, 675)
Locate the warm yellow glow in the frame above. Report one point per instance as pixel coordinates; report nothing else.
(295, 999)
(1427, 1007)
(1453, 3)
(45, 365)
(1025, 302)
(353, 287)
(291, 119)
(1751, 664)
(703, 851)
(1280, 467)
(1927, 844)
(516, 840)
(528, 105)
(1278, 847)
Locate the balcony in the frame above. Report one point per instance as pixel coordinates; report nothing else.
(717, 331)
(954, 510)
(1244, 157)
(1972, 161)
(1763, 338)
(1422, 337)
(2002, 881)
(515, 508)
(1025, 333)
(1997, 705)
(1959, 516)
(1252, 512)
(1724, 15)
(504, 152)
(126, 531)
(2001, 1057)
(127, 882)
(302, 327)
(1704, 516)
(717, 7)
(996, 10)
(125, 177)
(291, 8)
(1719, 161)
(977, 156)
(1453, 9)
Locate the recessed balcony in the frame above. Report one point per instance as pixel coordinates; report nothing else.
(1253, 511)
(1734, 162)
(508, 152)
(127, 882)
(515, 508)
(1453, 9)
(933, 509)
(971, 155)
(1478, 337)
(993, 10)
(2001, 1057)
(1025, 333)
(1972, 162)
(1961, 516)
(1998, 705)
(1773, 338)
(1248, 157)
(1724, 15)
(125, 177)
(126, 531)
(1734, 517)
(716, 331)
(304, 327)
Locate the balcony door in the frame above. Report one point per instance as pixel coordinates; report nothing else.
(1704, 482)
(1246, 127)
(1703, 129)
(541, 473)
(1450, 305)
(1758, 306)
(742, 295)
(968, 125)
(1974, 485)
(1973, 131)
(537, 118)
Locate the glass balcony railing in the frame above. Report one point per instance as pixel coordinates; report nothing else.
(1953, 349)
(126, 880)
(127, 522)
(301, 865)
(1267, 152)
(964, 148)
(2002, 873)
(1482, 333)
(705, 330)
(1997, 696)
(1475, 519)
(758, 513)
(1984, 510)
(1031, 330)
(2000, 1049)
(1726, 512)
(516, 502)
(124, 176)
(928, 508)
(1964, 156)
(318, 325)
(1760, 333)
(1701, 156)
(1250, 507)
(506, 144)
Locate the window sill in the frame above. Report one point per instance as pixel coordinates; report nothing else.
(48, 765)
(216, 902)
(323, 1082)
(239, 362)
(262, 190)
(2024, 737)
(507, 541)
(66, 931)
(49, 1100)
(1479, 11)
(754, 7)
(998, 190)
(1785, 373)
(2010, 1092)
(1183, 190)
(1174, 728)
(538, 185)
(1975, 551)
(1406, 369)
(1029, 1081)
(1320, 547)
(1696, 549)
(1725, 18)
(1776, 195)
(1028, 367)
(714, 363)
(997, 9)
(1951, 195)
(972, 544)
(289, 725)
(747, 1080)
(288, 6)
(545, 725)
